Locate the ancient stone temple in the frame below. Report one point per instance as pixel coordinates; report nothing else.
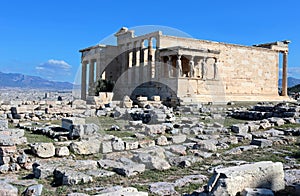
(186, 69)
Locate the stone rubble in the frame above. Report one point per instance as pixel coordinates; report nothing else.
(34, 190)
(43, 150)
(168, 188)
(7, 189)
(276, 113)
(119, 190)
(163, 188)
(161, 138)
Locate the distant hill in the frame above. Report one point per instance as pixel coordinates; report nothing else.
(291, 82)
(294, 89)
(15, 80)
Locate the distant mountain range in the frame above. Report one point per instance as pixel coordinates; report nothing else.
(291, 82)
(15, 80)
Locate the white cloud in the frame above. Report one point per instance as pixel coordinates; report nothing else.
(54, 69)
(54, 65)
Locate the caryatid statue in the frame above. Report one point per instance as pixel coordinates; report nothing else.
(192, 67)
(204, 69)
(197, 70)
(179, 66)
(216, 64)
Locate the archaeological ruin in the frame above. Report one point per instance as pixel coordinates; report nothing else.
(185, 69)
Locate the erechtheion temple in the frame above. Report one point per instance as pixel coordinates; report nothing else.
(186, 69)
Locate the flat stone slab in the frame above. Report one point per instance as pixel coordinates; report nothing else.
(231, 180)
(45, 167)
(163, 188)
(107, 163)
(130, 169)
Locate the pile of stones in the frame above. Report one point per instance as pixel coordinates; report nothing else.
(12, 159)
(24, 111)
(264, 110)
(161, 138)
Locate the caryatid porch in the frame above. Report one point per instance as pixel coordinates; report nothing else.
(192, 63)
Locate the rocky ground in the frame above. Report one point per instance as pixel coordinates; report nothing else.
(67, 147)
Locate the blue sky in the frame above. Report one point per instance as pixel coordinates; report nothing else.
(43, 37)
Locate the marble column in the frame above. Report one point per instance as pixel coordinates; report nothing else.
(142, 54)
(150, 50)
(124, 63)
(83, 80)
(284, 73)
(204, 69)
(137, 61)
(151, 73)
(142, 60)
(130, 55)
(137, 54)
(98, 69)
(158, 63)
(129, 63)
(91, 89)
(163, 67)
(216, 67)
(170, 67)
